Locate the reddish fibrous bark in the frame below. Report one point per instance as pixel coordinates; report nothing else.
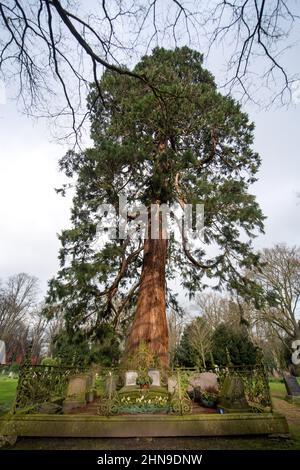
(150, 322)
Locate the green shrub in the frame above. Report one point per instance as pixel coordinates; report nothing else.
(236, 342)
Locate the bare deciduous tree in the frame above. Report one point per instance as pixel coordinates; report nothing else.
(175, 328)
(17, 300)
(279, 278)
(21, 322)
(255, 32)
(200, 335)
(217, 309)
(51, 50)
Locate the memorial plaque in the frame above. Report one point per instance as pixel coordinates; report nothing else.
(130, 378)
(155, 376)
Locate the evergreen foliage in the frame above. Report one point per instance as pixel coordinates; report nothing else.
(183, 142)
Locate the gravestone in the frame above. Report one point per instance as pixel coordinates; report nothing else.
(204, 381)
(291, 384)
(2, 352)
(292, 388)
(155, 376)
(76, 392)
(130, 378)
(110, 384)
(233, 399)
(172, 384)
(12, 375)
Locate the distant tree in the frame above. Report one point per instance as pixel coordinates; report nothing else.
(279, 279)
(200, 340)
(235, 312)
(175, 329)
(217, 309)
(38, 335)
(242, 351)
(17, 300)
(22, 323)
(274, 351)
(18, 308)
(195, 344)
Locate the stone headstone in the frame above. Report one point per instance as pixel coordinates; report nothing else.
(12, 375)
(77, 386)
(233, 398)
(205, 381)
(110, 385)
(155, 376)
(76, 392)
(172, 384)
(130, 378)
(2, 352)
(291, 384)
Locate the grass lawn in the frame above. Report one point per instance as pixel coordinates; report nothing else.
(277, 389)
(7, 393)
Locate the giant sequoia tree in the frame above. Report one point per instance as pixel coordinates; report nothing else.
(173, 139)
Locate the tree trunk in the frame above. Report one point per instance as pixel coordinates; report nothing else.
(150, 322)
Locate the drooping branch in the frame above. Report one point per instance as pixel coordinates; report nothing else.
(187, 252)
(111, 291)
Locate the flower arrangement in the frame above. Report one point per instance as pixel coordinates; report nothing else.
(143, 404)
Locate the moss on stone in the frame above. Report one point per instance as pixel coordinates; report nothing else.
(145, 425)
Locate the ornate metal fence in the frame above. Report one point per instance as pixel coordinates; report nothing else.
(254, 379)
(256, 385)
(40, 384)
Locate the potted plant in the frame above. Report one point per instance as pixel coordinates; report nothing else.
(144, 380)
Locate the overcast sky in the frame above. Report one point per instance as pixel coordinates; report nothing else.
(31, 213)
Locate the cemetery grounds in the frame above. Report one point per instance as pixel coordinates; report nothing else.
(291, 412)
